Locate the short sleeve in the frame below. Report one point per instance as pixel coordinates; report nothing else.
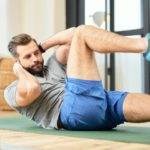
(52, 61)
(9, 94)
(55, 68)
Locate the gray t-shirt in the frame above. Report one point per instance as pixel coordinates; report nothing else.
(46, 108)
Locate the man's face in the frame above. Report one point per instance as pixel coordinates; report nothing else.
(30, 57)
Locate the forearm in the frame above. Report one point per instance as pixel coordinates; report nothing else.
(24, 75)
(60, 38)
(28, 87)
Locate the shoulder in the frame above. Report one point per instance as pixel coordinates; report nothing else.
(9, 94)
(10, 88)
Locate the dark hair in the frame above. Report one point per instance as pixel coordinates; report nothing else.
(21, 39)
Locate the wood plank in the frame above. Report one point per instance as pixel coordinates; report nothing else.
(4, 114)
(6, 78)
(47, 142)
(3, 103)
(6, 64)
(13, 140)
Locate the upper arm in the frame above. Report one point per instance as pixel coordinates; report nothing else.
(25, 95)
(20, 98)
(62, 54)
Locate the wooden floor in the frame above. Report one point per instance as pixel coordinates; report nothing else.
(11, 140)
(7, 114)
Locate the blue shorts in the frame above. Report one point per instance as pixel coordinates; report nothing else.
(88, 106)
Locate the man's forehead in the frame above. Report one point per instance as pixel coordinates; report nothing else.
(27, 49)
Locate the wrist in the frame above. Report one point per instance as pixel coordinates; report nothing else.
(41, 48)
(16, 68)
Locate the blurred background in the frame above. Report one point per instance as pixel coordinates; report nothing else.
(43, 18)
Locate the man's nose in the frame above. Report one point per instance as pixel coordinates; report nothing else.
(34, 58)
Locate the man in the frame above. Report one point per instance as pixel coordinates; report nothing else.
(67, 92)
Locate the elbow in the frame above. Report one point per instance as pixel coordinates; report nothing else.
(21, 98)
(36, 90)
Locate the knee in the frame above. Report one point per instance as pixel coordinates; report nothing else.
(80, 31)
(83, 30)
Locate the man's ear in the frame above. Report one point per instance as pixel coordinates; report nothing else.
(15, 59)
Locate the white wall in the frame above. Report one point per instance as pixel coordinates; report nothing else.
(3, 27)
(40, 18)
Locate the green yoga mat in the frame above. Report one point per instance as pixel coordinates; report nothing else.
(120, 134)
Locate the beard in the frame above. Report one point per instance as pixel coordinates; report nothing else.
(37, 69)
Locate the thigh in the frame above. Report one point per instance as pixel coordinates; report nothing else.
(81, 61)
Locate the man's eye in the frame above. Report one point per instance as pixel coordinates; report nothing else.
(27, 56)
(37, 52)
